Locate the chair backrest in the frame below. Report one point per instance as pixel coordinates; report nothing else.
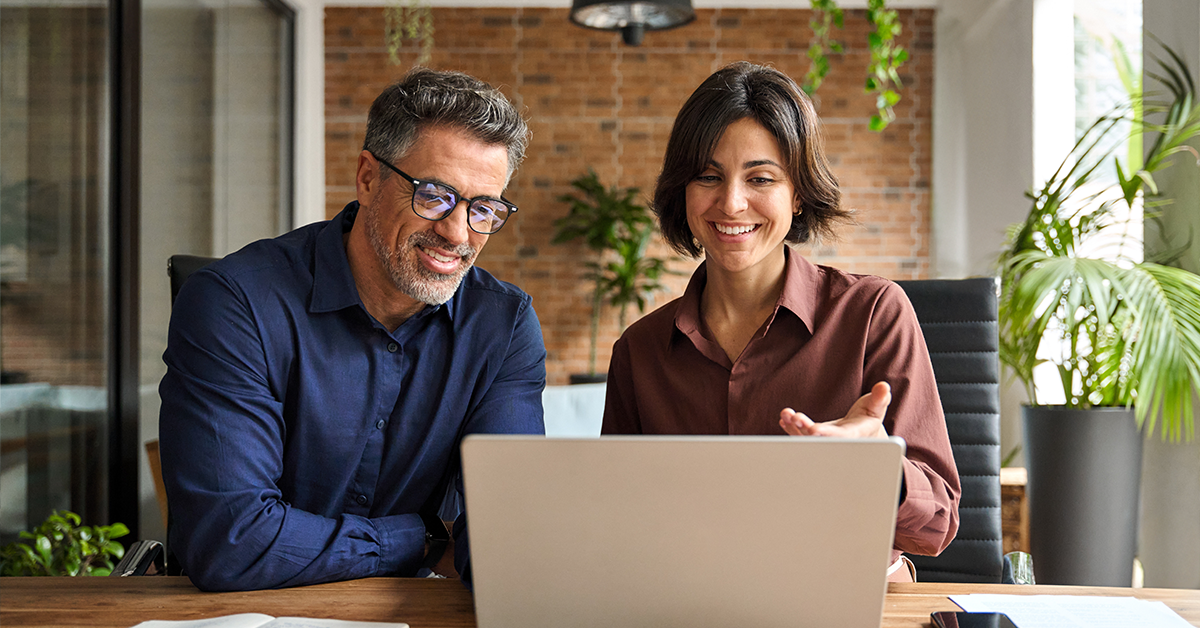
(180, 267)
(958, 319)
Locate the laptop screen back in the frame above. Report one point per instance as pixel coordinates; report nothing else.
(680, 531)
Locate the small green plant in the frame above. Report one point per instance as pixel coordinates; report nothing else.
(612, 223)
(62, 547)
(883, 77)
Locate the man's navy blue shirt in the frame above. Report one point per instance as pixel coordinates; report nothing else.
(299, 438)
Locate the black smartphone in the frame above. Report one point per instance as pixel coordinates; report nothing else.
(959, 619)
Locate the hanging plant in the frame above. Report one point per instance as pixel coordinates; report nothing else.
(883, 78)
(411, 20)
(826, 15)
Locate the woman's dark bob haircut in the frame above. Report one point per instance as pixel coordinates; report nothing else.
(766, 95)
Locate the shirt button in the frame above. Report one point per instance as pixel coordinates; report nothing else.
(362, 500)
(392, 347)
(379, 424)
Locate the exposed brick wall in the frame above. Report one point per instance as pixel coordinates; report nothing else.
(594, 102)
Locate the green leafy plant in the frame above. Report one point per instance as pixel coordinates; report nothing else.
(408, 19)
(633, 278)
(826, 16)
(62, 547)
(883, 77)
(1129, 331)
(618, 231)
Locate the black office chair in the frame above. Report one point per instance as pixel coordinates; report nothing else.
(143, 558)
(958, 319)
(180, 267)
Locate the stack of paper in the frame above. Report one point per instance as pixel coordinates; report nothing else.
(1082, 611)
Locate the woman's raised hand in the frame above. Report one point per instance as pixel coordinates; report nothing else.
(864, 420)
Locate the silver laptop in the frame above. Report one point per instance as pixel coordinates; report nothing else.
(657, 531)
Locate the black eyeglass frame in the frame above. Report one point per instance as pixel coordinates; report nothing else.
(416, 183)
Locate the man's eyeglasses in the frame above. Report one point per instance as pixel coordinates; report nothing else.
(435, 201)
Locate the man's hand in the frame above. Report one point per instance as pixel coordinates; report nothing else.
(864, 420)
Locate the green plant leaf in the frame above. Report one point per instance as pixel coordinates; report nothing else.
(117, 530)
(44, 547)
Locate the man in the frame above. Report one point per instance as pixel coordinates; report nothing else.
(318, 384)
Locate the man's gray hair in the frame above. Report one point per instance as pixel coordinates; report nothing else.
(426, 97)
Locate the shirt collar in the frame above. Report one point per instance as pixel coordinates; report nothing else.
(333, 283)
(801, 289)
(800, 294)
(687, 316)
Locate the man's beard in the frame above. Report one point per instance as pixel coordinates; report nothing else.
(406, 271)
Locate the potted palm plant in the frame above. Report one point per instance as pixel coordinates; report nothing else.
(1122, 334)
(617, 229)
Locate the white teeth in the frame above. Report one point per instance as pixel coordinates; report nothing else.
(735, 230)
(437, 256)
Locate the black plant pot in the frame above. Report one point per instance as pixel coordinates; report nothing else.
(585, 378)
(1085, 470)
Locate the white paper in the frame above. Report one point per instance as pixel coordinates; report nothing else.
(245, 620)
(257, 620)
(1074, 611)
(308, 622)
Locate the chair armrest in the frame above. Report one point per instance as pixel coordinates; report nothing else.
(143, 558)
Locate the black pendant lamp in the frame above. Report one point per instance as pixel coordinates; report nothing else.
(632, 17)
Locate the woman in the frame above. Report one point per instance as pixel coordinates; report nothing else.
(760, 330)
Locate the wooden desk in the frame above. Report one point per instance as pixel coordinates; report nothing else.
(123, 602)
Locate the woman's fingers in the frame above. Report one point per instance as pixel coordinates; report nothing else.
(795, 423)
(864, 420)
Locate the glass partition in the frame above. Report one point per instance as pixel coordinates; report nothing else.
(215, 173)
(54, 295)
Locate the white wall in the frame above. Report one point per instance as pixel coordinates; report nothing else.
(982, 143)
(309, 152)
(982, 130)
